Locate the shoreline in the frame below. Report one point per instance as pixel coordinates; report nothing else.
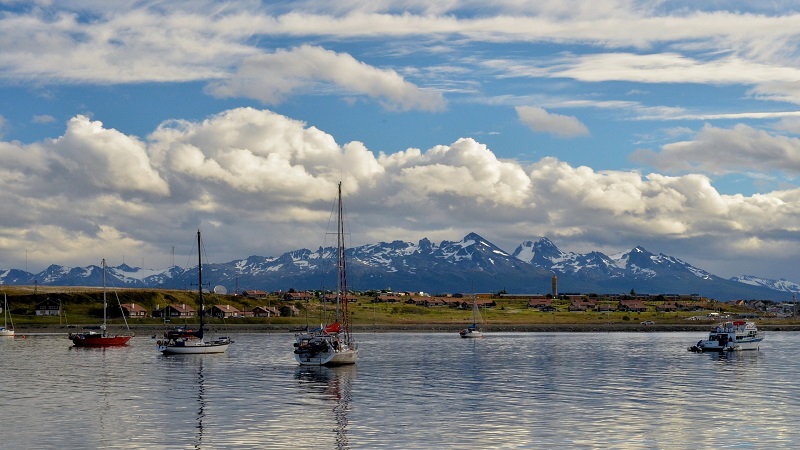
(157, 329)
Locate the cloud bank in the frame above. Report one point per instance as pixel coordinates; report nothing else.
(262, 183)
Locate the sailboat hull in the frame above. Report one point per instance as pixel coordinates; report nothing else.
(194, 347)
(323, 349)
(470, 334)
(327, 358)
(344, 357)
(88, 340)
(6, 332)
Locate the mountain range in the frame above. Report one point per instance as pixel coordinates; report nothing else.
(472, 264)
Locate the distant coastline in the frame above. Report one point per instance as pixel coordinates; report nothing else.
(157, 329)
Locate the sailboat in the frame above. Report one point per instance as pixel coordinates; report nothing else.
(333, 344)
(472, 331)
(101, 338)
(193, 343)
(4, 330)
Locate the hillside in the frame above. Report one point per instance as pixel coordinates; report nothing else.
(471, 264)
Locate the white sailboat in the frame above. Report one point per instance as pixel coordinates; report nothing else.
(332, 344)
(472, 331)
(194, 343)
(4, 330)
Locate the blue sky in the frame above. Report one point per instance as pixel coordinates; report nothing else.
(601, 125)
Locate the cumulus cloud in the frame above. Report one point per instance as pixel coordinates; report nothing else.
(271, 77)
(540, 120)
(88, 157)
(262, 183)
(253, 151)
(722, 150)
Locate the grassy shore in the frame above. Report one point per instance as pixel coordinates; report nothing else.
(82, 306)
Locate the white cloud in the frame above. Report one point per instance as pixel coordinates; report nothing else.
(788, 124)
(86, 158)
(272, 77)
(145, 42)
(720, 150)
(43, 118)
(540, 120)
(249, 176)
(670, 68)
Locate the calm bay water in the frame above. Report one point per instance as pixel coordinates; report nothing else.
(408, 390)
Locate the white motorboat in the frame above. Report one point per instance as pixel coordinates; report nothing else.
(731, 336)
(333, 344)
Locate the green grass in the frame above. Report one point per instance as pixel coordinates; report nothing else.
(83, 305)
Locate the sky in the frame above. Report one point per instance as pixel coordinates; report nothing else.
(602, 125)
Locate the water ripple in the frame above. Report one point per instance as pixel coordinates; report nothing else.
(409, 390)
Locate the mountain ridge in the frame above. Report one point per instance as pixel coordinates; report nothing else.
(471, 264)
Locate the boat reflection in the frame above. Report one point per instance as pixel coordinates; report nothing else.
(735, 358)
(201, 404)
(334, 385)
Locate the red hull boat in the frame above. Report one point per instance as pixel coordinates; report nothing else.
(93, 339)
(100, 338)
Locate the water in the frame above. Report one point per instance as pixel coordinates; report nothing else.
(408, 391)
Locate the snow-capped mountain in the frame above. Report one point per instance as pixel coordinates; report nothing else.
(471, 264)
(778, 285)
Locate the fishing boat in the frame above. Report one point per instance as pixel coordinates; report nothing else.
(332, 344)
(192, 342)
(91, 338)
(4, 330)
(472, 331)
(730, 336)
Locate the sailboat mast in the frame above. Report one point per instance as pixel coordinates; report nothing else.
(341, 284)
(200, 278)
(105, 303)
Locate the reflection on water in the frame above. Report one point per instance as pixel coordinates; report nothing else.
(334, 383)
(413, 390)
(201, 403)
